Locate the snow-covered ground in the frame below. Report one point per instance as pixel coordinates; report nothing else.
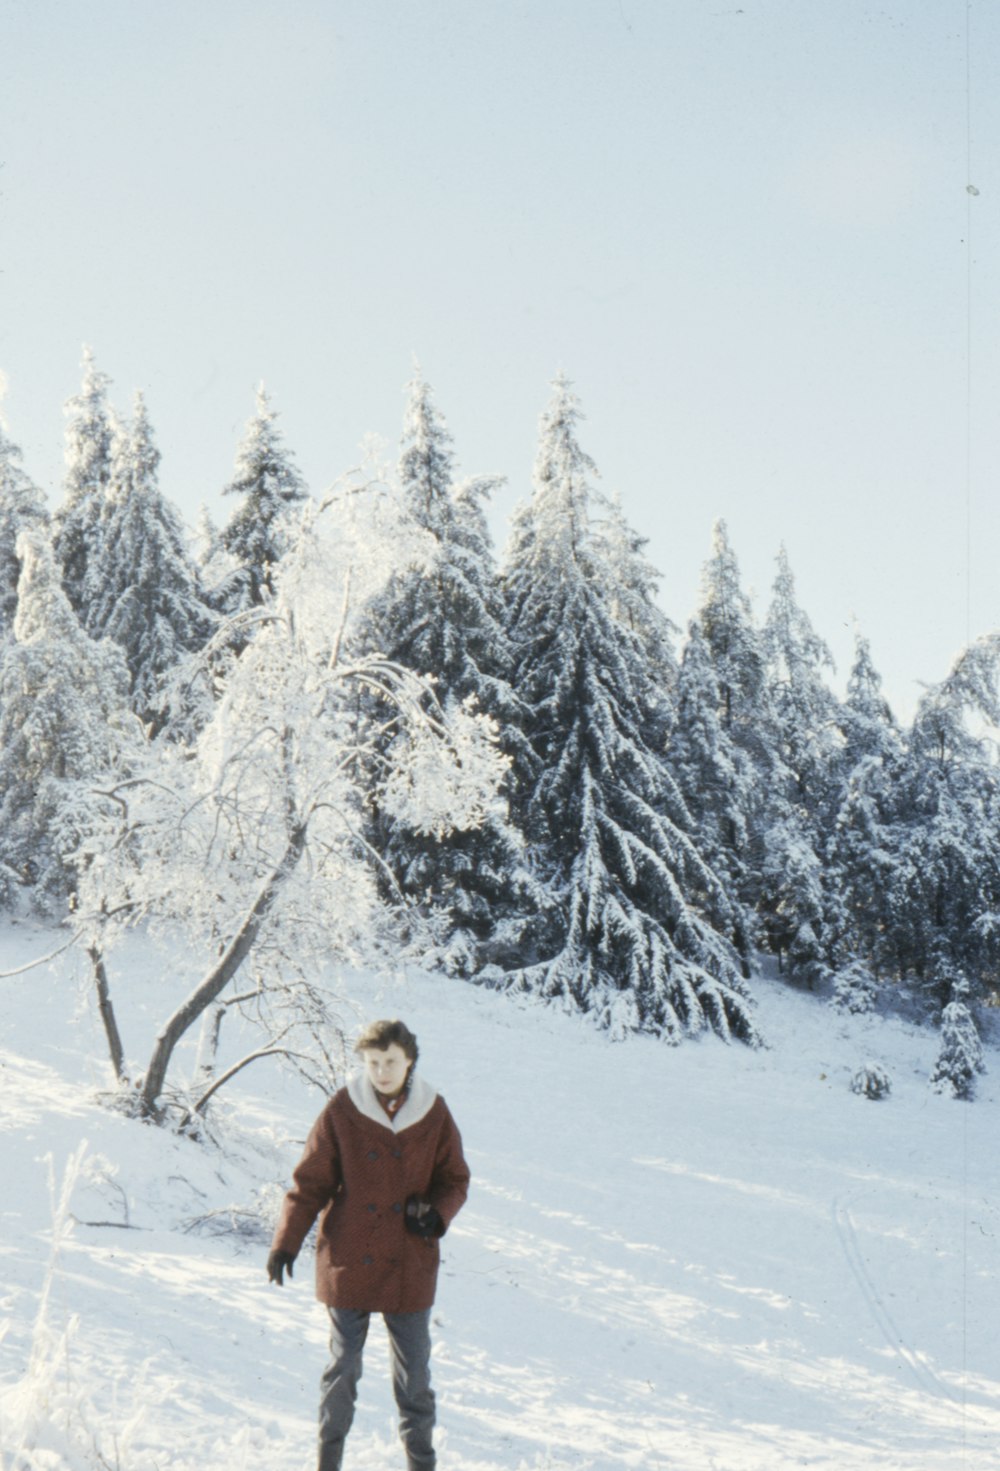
(695, 1258)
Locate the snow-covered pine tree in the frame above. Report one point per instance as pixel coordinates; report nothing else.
(737, 650)
(942, 911)
(860, 847)
(960, 1059)
(803, 705)
(21, 509)
(442, 616)
(739, 664)
(868, 726)
(634, 581)
(214, 564)
(77, 521)
(64, 724)
(269, 485)
(714, 776)
(640, 939)
(791, 902)
(144, 590)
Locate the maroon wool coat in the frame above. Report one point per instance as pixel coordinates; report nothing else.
(357, 1171)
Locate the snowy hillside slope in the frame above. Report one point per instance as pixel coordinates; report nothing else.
(701, 1259)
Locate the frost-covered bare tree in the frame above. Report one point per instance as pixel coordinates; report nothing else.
(250, 841)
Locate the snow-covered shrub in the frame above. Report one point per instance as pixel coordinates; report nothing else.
(871, 1081)
(854, 989)
(961, 1055)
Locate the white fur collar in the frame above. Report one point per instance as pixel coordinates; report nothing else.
(419, 1102)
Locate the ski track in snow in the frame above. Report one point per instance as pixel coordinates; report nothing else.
(693, 1259)
(923, 1375)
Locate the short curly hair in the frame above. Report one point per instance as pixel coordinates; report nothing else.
(380, 1036)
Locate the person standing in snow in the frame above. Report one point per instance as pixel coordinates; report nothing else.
(383, 1168)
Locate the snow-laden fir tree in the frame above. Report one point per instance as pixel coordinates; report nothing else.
(941, 916)
(803, 705)
(22, 508)
(640, 940)
(737, 650)
(867, 724)
(791, 900)
(714, 776)
(634, 582)
(860, 847)
(64, 725)
(144, 590)
(960, 1059)
(77, 521)
(734, 644)
(215, 565)
(441, 615)
(269, 486)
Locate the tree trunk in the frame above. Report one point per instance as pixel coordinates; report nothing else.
(208, 1045)
(107, 1011)
(219, 976)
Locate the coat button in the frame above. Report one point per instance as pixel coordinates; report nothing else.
(373, 1154)
(372, 1209)
(397, 1207)
(397, 1154)
(366, 1261)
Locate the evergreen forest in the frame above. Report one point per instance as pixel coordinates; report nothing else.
(345, 724)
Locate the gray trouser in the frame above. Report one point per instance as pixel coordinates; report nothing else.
(410, 1346)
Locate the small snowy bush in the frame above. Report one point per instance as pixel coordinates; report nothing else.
(961, 1055)
(871, 1081)
(854, 989)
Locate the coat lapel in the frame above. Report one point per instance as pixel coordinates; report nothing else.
(419, 1102)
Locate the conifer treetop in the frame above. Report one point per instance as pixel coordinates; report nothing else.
(426, 464)
(89, 435)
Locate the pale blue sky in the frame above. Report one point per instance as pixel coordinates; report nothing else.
(742, 229)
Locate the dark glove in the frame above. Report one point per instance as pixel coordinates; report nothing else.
(422, 1219)
(277, 1263)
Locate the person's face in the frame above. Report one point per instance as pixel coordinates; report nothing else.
(387, 1070)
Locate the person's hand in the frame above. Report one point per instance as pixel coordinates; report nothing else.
(277, 1264)
(422, 1219)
